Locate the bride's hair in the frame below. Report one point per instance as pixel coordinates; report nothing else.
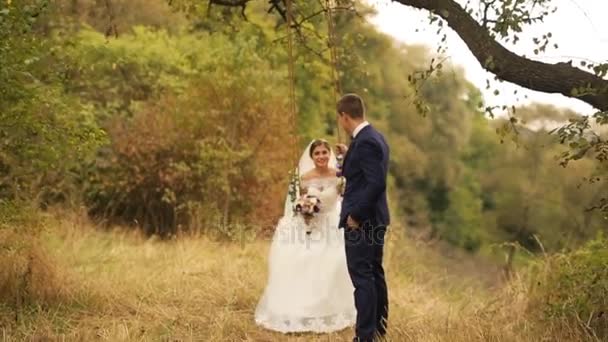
(316, 143)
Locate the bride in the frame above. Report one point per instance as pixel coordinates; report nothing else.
(309, 288)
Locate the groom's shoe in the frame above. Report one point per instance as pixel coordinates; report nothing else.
(377, 338)
(359, 339)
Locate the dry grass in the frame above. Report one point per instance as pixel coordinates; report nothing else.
(27, 274)
(123, 287)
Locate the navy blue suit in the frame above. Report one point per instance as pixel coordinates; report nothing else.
(365, 168)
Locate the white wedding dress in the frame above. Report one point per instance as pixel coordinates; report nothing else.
(308, 288)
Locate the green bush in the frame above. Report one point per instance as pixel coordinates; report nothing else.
(197, 128)
(575, 287)
(45, 133)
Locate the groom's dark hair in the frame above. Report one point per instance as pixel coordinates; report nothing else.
(352, 105)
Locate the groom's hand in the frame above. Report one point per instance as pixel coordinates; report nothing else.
(352, 223)
(341, 148)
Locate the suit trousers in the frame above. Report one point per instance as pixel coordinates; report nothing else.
(364, 251)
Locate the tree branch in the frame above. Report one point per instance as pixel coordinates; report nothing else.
(229, 3)
(275, 5)
(486, 9)
(560, 78)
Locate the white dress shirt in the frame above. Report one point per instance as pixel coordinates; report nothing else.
(359, 128)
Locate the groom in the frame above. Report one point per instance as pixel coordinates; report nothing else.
(365, 216)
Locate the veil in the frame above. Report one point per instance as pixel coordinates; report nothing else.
(306, 164)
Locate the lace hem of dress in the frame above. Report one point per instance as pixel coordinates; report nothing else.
(310, 324)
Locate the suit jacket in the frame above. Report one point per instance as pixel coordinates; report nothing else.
(365, 168)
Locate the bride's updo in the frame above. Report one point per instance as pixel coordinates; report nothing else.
(316, 143)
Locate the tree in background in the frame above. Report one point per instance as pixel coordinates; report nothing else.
(44, 131)
(482, 25)
(180, 104)
(485, 25)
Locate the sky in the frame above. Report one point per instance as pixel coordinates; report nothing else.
(579, 27)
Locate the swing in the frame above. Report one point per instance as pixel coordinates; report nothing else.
(294, 184)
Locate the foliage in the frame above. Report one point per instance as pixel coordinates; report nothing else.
(199, 155)
(575, 287)
(116, 75)
(455, 178)
(113, 18)
(462, 222)
(506, 22)
(44, 132)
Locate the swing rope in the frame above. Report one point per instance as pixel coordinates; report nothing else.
(291, 72)
(292, 82)
(295, 181)
(334, 60)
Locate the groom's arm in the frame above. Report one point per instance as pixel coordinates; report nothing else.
(374, 173)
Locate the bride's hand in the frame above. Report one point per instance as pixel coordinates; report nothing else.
(341, 149)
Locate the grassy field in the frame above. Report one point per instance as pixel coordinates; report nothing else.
(117, 286)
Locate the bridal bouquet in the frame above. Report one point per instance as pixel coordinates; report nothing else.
(308, 206)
